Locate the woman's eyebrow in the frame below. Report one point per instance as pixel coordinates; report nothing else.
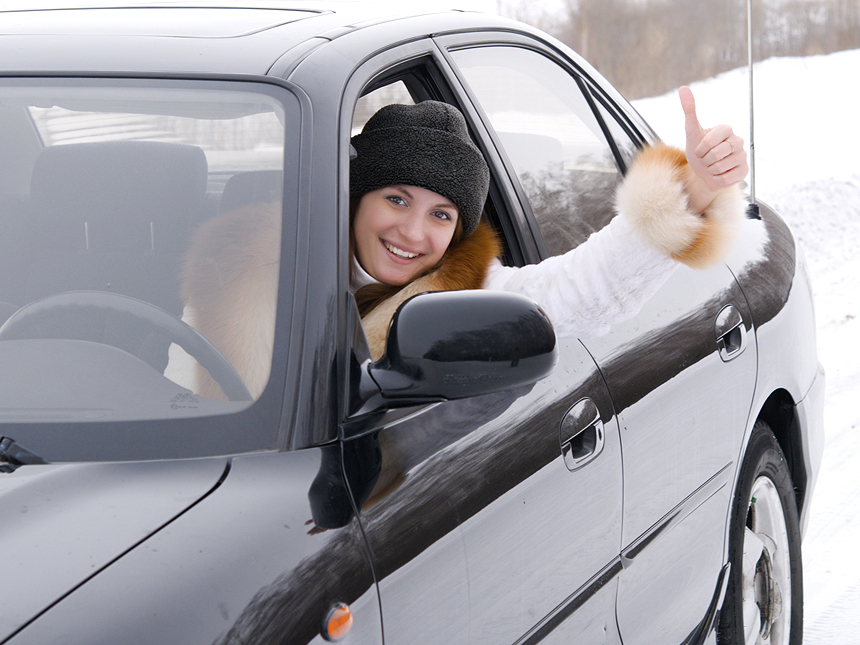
(402, 190)
(446, 203)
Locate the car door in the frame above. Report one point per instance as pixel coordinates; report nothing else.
(681, 373)
(683, 399)
(496, 518)
(484, 529)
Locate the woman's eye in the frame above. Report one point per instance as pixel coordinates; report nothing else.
(441, 215)
(395, 199)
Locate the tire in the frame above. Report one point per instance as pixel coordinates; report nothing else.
(764, 600)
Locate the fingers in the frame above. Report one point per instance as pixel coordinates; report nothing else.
(712, 139)
(730, 177)
(720, 157)
(716, 155)
(688, 104)
(724, 174)
(729, 147)
(723, 165)
(692, 127)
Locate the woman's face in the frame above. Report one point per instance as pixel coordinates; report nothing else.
(401, 231)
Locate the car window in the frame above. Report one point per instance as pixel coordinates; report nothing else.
(147, 207)
(551, 137)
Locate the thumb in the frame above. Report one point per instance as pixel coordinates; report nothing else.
(692, 127)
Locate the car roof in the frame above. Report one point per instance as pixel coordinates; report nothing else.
(197, 37)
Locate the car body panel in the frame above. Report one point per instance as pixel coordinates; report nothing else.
(241, 40)
(810, 441)
(75, 519)
(234, 568)
(238, 40)
(476, 501)
(771, 270)
(673, 451)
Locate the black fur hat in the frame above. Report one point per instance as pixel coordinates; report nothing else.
(425, 145)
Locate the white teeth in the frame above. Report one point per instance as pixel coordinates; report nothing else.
(400, 252)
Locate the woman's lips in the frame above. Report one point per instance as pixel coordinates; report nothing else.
(398, 252)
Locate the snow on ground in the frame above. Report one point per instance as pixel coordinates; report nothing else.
(807, 144)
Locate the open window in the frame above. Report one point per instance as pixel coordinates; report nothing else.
(411, 85)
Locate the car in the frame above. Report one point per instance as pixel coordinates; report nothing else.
(485, 481)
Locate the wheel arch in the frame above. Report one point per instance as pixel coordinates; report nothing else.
(779, 411)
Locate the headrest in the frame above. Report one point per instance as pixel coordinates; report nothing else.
(257, 186)
(131, 184)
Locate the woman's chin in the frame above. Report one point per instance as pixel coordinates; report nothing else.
(394, 281)
(398, 276)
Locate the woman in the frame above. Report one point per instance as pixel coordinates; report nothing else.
(418, 186)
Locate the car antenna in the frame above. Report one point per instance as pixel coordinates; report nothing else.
(753, 210)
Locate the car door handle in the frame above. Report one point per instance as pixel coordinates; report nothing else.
(581, 434)
(730, 333)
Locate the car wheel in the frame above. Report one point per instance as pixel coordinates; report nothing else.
(764, 601)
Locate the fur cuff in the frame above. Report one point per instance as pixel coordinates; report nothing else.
(653, 199)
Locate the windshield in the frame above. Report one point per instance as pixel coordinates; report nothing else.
(138, 221)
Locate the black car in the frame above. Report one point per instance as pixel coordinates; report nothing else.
(648, 486)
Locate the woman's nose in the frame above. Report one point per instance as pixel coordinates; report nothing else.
(412, 228)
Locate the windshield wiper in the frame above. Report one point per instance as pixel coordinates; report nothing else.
(12, 456)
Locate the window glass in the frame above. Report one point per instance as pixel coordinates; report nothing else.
(550, 136)
(142, 206)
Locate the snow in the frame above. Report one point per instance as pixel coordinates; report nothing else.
(807, 168)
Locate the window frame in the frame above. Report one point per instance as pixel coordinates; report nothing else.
(428, 75)
(426, 62)
(254, 428)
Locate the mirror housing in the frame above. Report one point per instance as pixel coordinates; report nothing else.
(449, 345)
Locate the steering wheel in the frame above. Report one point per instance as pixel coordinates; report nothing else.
(93, 309)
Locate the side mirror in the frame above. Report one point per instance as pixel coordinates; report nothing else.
(456, 344)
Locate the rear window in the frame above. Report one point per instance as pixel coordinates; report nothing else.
(141, 226)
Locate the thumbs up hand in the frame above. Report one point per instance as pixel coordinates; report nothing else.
(715, 155)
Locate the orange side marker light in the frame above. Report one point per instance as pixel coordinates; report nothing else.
(338, 622)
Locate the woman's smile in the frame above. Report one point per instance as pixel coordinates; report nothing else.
(400, 253)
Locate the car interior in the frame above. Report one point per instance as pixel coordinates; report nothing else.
(106, 197)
